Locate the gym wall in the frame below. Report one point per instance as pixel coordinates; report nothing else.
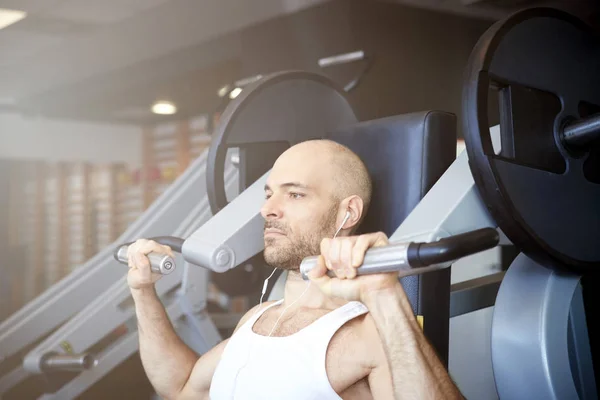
(51, 173)
(34, 138)
(418, 55)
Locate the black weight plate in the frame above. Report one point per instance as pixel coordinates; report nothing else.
(545, 66)
(290, 107)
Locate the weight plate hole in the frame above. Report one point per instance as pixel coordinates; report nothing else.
(587, 109)
(527, 118)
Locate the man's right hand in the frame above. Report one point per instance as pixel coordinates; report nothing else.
(140, 275)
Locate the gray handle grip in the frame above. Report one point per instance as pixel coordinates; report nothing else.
(409, 258)
(159, 263)
(68, 362)
(391, 258)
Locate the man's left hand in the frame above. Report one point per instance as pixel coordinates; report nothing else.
(343, 256)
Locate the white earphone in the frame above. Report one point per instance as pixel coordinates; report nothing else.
(264, 289)
(342, 224)
(346, 217)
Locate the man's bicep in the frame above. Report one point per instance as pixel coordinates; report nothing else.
(198, 384)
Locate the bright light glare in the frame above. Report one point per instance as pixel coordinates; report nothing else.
(9, 17)
(164, 108)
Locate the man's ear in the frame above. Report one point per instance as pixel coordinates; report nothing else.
(354, 205)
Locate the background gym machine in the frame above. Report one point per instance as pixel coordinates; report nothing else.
(53, 323)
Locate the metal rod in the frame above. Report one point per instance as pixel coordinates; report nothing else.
(68, 362)
(341, 59)
(474, 294)
(390, 258)
(159, 263)
(582, 132)
(410, 258)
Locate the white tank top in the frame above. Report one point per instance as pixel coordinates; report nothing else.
(256, 367)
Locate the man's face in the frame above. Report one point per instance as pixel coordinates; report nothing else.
(299, 209)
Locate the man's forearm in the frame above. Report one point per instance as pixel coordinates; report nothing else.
(167, 360)
(417, 372)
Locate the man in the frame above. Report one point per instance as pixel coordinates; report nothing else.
(347, 337)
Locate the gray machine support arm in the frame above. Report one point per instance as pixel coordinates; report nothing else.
(233, 235)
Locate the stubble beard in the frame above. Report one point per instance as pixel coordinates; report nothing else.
(287, 252)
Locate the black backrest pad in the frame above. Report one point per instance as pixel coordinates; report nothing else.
(406, 155)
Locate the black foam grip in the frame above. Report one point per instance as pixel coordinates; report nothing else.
(455, 247)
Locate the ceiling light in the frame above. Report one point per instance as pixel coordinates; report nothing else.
(342, 58)
(9, 17)
(164, 108)
(235, 93)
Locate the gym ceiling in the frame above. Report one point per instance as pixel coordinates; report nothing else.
(110, 60)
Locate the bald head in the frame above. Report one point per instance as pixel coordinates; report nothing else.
(349, 173)
(345, 172)
(309, 190)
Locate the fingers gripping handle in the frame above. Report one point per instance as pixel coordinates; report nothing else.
(410, 258)
(159, 263)
(377, 260)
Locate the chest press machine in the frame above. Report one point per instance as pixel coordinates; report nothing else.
(448, 210)
(538, 184)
